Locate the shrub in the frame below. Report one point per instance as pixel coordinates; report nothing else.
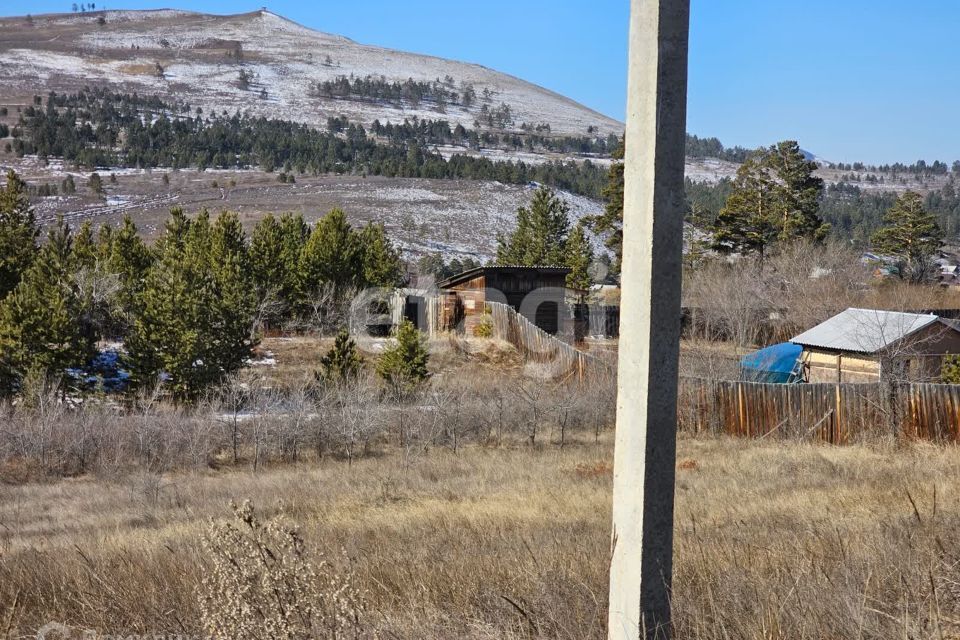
(262, 585)
(950, 370)
(342, 362)
(484, 328)
(404, 363)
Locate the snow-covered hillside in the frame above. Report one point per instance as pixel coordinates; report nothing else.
(198, 57)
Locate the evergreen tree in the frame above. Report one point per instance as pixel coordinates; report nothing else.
(130, 259)
(275, 250)
(911, 235)
(512, 249)
(579, 258)
(232, 328)
(95, 183)
(541, 234)
(342, 362)
(609, 224)
(744, 224)
(332, 255)
(266, 264)
(382, 266)
(104, 242)
(85, 250)
(775, 198)
(796, 196)
(403, 365)
(99, 288)
(41, 327)
(18, 233)
(193, 322)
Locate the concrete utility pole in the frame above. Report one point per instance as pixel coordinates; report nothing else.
(645, 458)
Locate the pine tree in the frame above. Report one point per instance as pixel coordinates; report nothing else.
(18, 233)
(85, 253)
(609, 224)
(130, 259)
(275, 250)
(541, 232)
(266, 264)
(796, 197)
(911, 235)
(332, 255)
(295, 232)
(342, 362)
(194, 320)
(382, 266)
(95, 183)
(41, 327)
(579, 258)
(775, 198)
(232, 328)
(511, 249)
(104, 242)
(403, 365)
(744, 224)
(167, 332)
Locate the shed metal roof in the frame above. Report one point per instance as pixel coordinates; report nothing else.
(866, 330)
(469, 274)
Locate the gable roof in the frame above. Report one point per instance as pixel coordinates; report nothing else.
(866, 330)
(470, 274)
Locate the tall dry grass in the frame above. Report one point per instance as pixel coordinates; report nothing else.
(774, 540)
(478, 508)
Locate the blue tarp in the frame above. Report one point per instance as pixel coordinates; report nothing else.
(777, 363)
(104, 372)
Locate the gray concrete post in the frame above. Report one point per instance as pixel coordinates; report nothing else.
(645, 455)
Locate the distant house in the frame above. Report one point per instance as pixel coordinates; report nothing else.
(857, 345)
(537, 293)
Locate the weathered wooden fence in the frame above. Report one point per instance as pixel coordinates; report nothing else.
(829, 412)
(538, 345)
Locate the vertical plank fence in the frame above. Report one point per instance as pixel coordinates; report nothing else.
(828, 412)
(538, 345)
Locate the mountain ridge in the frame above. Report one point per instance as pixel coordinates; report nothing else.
(197, 57)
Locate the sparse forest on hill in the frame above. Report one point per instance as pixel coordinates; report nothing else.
(100, 128)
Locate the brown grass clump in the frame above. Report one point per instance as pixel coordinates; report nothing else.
(599, 469)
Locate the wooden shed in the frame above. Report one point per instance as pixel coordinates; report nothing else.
(537, 293)
(857, 344)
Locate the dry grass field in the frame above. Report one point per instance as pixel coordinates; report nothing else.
(774, 540)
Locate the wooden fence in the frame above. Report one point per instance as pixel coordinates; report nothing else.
(538, 345)
(829, 412)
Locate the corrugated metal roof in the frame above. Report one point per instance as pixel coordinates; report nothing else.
(864, 330)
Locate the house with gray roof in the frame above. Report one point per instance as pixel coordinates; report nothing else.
(860, 345)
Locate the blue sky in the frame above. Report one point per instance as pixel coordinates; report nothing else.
(871, 80)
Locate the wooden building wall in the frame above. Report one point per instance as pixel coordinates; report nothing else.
(826, 366)
(538, 297)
